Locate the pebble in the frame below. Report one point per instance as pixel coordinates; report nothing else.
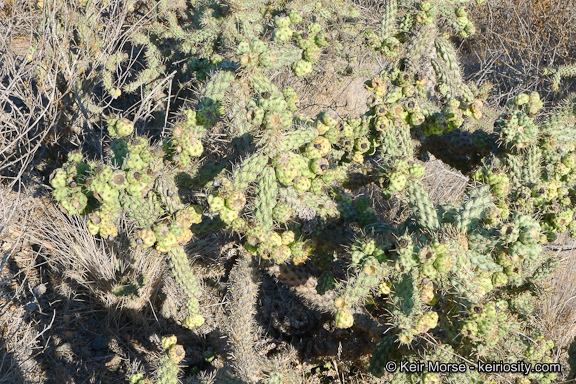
(100, 343)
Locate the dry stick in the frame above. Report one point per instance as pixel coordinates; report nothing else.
(150, 94)
(560, 247)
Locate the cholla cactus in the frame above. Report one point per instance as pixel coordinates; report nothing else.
(168, 369)
(241, 326)
(463, 274)
(557, 74)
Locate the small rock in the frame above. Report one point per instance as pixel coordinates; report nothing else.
(100, 343)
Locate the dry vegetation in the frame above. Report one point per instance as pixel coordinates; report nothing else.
(516, 41)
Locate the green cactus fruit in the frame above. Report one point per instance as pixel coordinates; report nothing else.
(176, 353)
(194, 147)
(314, 28)
(476, 108)
(535, 103)
(318, 148)
(569, 160)
(216, 203)
(239, 225)
(107, 193)
(357, 256)
(108, 228)
(302, 184)
(362, 145)
(427, 294)
(281, 253)
(93, 224)
(137, 144)
(311, 54)
(368, 247)
(228, 215)
(522, 304)
(124, 127)
(327, 120)
(287, 169)
(344, 318)
(118, 180)
(75, 203)
(317, 186)
(257, 46)
(397, 182)
(282, 22)
(428, 321)
(444, 263)
(427, 269)
(236, 201)
(282, 212)
(59, 179)
(469, 329)
(193, 321)
(302, 68)
(139, 379)
(256, 236)
(145, 237)
(509, 233)
(266, 59)
(188, 216)
(169, 341)
(265, 250)
(148, 156)
(134, 161)
(274, 240)
(521, 99)
(111, 123)
(333, 135)
(138, 182)
(287, 237)
(319, 166)
(61, 194)
(416, 170)
(242, 48)
(300, 252)
(417, 118)
(295, 17)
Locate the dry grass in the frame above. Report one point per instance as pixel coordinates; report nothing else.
(516, 40)
(557, 311)
(98, 266)
(445, 185)
(20, 336)
(26, 118)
